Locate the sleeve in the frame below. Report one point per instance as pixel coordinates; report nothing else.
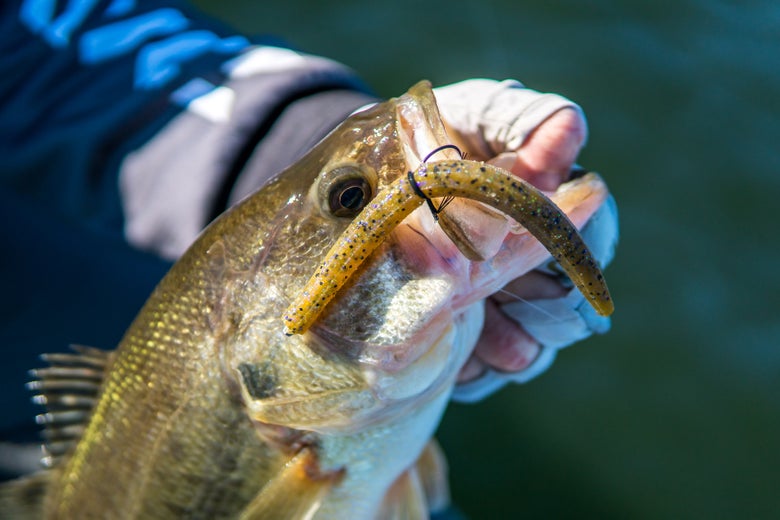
(232, 139)
(125, 126)
(135, 117)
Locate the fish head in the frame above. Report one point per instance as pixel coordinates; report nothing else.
(408, 316)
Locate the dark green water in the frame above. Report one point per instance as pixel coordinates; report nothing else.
(676, 412)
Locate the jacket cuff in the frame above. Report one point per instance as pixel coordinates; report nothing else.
(175, 183)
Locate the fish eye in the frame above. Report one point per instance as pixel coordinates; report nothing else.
(346, 189)
(348, 198)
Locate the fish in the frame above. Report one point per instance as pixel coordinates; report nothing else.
(283, 369)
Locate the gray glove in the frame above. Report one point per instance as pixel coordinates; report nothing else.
(554, 323)
(488, 119)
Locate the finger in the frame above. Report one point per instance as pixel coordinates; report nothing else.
(546, 157)
(494, 354)
(504, 345)
(473, 369)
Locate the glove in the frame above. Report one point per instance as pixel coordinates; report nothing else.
(554, 323)
(493, 120)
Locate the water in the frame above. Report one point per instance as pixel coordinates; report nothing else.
(675, 413)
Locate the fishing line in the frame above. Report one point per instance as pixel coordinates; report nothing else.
(534, 306)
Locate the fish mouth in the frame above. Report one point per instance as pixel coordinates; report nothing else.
(477, 229)
(420, 301)
(420, 127)
(408, 310)
(540, 216)
(495, 204)
(490, 239)
(424, 267)
(490, 248)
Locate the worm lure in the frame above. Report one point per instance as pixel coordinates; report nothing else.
(451, 178)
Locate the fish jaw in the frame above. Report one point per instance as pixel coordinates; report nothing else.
(411, 377)
(395, 319)
(393, 311)
(391, 138)
(382, 358)
(379, 451)
(520, 252)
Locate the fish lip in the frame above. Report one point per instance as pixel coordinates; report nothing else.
(384, 399)
(420, 126)
(515, 251)
(423, 134)
(449, 261)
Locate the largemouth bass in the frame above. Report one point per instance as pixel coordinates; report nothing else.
(284, 369)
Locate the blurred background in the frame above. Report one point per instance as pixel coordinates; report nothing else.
(676, 412)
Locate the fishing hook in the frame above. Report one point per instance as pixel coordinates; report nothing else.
(431, 206)
(440, 148)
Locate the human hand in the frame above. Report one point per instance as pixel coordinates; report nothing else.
(537, 137)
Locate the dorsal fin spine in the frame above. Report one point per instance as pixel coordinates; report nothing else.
(69, 389)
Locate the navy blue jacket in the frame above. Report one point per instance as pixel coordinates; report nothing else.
(125, 127)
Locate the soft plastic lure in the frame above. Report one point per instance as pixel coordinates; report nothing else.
(452, 178)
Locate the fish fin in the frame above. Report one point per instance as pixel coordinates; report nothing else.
(296, 492)
(405, 500)
(69, 389)
(433, 471)
(420, 490)
(22, 499)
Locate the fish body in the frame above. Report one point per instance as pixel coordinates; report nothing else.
(210, 409)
